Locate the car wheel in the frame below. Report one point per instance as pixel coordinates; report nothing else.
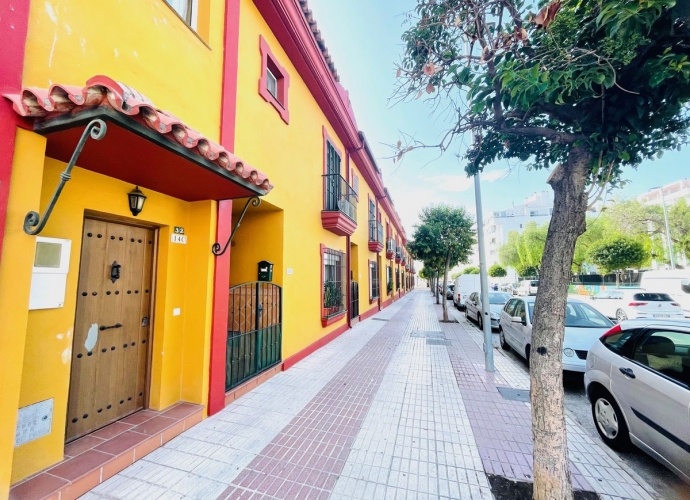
(609, 421)
(480, 322)
(467, 315)
(621, 316)
(504, 345)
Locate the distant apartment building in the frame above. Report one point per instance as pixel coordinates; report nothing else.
(538, 207)
(672, 193)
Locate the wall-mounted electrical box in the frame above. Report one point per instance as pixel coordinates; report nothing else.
(49, 277)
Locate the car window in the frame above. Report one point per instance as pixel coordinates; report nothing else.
(653, 297)
(616, 342)
(602, 295)
(685, 286)
(584, 316)
(498, 298)
(531, 312)
(510, 307)
(616, 295)
(534, 283)
(667, 352)
(520, 310)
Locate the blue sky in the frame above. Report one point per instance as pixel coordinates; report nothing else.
(363, 37)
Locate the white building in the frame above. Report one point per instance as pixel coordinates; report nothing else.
(538, 207)
(672, 193)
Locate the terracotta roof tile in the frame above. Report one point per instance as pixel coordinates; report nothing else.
(104, 91)
(319, 39)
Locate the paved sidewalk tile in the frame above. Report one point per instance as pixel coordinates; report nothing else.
(594, 469)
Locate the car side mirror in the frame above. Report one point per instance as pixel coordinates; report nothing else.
(518, 319)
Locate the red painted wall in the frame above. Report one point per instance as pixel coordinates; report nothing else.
(14, 20)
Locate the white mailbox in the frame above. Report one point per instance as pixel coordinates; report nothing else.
(49, 278)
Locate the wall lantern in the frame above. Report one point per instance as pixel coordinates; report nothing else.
(136, 201)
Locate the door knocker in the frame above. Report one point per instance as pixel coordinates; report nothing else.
(115, 272)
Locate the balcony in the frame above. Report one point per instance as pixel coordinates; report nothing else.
(375, 236)
(390, 249)
(398, 255)
(339, 213)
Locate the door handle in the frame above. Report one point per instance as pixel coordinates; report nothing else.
(118, 325)
(627, 372)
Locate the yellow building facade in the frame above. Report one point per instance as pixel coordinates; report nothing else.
(116, 314)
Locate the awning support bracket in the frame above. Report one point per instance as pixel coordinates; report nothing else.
(33, 223)
(216, 249)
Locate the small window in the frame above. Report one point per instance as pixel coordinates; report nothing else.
(374, 285)
(334, 283)
(186, 9)
(271, 83)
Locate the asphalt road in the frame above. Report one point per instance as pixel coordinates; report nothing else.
(666, 484)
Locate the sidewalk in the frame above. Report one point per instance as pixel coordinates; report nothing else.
(397, 407)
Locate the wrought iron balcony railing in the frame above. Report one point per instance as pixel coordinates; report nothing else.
(390, 246)
(398, 252)
(375, 231)
(339, 196)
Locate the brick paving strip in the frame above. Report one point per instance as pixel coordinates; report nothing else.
(503, 429)
(204, 460)
(305, 460)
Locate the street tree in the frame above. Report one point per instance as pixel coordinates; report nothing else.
(497, 271)
(596, 231)
(471, 270)
(524, 251)
(445, 235)
(584, 88)
(617, 254)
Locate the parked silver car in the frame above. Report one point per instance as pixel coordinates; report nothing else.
(473, 307)
(638, 382)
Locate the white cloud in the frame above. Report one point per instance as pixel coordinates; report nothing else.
(461, 183)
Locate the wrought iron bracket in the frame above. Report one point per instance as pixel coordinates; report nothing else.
(216, 248)
(33, 223)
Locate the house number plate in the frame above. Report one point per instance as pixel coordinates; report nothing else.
(178, 238)
(179, 230)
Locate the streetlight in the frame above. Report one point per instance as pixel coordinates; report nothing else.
(668, 230)
(484, 281)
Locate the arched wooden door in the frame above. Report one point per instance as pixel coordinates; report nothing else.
(254, 331)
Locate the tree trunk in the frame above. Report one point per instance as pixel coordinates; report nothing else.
(445, 287)
(552, 480)
(618, 281)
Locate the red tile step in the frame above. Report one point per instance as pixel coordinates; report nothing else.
(100, 455)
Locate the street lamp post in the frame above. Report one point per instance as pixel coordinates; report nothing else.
(484, 281)
(668, 230)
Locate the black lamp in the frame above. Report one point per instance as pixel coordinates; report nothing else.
(136, 201)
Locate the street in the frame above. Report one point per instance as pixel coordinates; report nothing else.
(666, 484)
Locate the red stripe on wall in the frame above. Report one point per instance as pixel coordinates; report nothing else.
(14, 22)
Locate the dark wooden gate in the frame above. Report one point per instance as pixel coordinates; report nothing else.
(354, 299)
(254, 331)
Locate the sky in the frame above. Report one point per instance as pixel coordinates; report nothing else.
(363, 38)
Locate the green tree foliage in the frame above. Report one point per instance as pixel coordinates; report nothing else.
(587, 86)
(455, 275)
(471, 270)
(497, 271)
(595, 232)
(618, 254)
(443, 239)
(524, 251)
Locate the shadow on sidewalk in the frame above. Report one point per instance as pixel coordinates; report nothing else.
(507, 489)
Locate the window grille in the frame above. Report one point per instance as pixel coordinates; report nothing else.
(374, 284)
(334, 283)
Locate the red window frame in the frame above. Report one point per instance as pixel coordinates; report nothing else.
(269, 61)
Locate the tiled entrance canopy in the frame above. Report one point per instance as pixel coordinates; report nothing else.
(106, 92)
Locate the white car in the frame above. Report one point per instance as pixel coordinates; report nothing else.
(473, 307)
(631, 304)
(638, 382)
(583, 327)
(528, 287)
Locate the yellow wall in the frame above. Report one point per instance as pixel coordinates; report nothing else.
(292, 156)
(140, 43)
(15, 280)
(179, 367)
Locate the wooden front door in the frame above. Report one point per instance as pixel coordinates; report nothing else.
(112, 326)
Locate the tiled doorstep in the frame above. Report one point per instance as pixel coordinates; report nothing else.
(98, 456)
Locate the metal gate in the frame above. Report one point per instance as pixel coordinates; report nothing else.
(254, 331)
(354, 299)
